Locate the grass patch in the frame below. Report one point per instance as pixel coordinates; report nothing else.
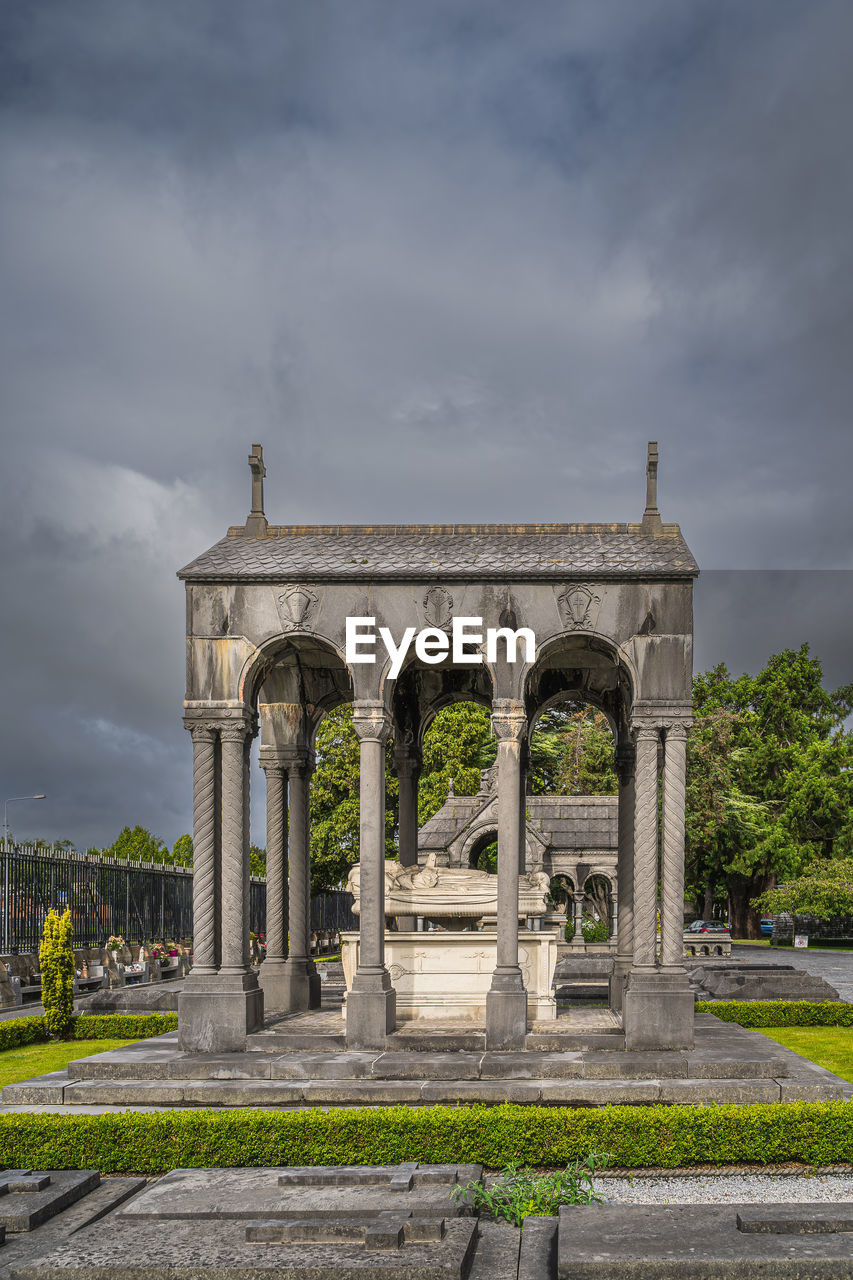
(38, 1059)
(830, 1047)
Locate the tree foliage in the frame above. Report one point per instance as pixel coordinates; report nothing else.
(824, 891)
(572, 752)
(56, 961)
(769, 787)
(334, 802)
(457, 746)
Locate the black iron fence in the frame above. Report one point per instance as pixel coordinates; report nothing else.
(142, 901)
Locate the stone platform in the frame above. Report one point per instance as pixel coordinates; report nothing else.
(407, 1222)
(580, 1061)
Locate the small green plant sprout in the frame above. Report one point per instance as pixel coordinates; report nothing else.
(56, 960)
(520, 1192)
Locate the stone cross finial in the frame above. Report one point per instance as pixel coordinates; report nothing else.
(651, 515)
(257, 521)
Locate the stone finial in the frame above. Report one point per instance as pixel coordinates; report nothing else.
(651, 515)
(256, 524)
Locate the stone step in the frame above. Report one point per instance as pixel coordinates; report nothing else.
(296, 1093)
(295, 1042)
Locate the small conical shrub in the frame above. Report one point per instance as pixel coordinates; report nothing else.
(56, 959)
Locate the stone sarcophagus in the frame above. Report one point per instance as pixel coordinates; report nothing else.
(450, 893)
(446, 972)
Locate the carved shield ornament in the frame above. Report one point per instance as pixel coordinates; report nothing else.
(438, 608)
(295, 607)
(576, 605)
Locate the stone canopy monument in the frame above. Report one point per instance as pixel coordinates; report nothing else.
(268, 606)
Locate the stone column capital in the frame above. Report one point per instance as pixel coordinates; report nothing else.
(219, 716)
(289, 759)
(202, 731)
(371, 721)
(509, 720)
(645, 730)
(676, 731)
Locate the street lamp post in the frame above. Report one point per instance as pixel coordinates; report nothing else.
(11, 800)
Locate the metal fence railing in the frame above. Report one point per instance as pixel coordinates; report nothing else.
(142, 901)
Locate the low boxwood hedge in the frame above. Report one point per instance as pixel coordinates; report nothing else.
(815, 1133)
(780, 1013)
(15, 1032)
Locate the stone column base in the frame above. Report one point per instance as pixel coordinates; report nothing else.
(217, 1012)
(621, 969)
(295, 986)
(370, 1017)
(315, 987)
(658, 1010)
(272, 980)
(506, 1019)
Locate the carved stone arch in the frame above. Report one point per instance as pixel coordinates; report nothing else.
(268, 654)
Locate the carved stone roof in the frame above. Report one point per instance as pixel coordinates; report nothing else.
(406, 552)
(564, 822)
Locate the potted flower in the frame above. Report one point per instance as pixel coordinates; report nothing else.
(115, 942)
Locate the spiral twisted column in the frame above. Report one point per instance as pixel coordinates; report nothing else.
(625, 854)
(204, 849)
(235, 883)
(672, 846)
(277, 871)
(247, 868)
(645, 847)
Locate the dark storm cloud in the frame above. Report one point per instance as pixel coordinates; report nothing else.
(447, 261)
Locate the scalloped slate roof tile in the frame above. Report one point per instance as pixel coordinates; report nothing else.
(446, 551)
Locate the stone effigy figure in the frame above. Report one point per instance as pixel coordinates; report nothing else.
(449, 892)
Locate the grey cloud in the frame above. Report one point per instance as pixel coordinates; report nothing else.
(447, 261)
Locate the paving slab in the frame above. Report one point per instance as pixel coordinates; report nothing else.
(142, 1250)
(520, 1065)
(27, 1245)
(47, 1088)
(28, 1197)
(497, 1252)
(701, 1092)
(494, 1091)
(427, 1066)
(537, 1258)
(634, 1066)
(321, 1066)
(292, 1193)
(697, 1242)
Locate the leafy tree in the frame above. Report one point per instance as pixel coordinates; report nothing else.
(824, 891)
(334, 802)
(457, 745)
(56, 961)
(769, 783)
(182, 851)
(137, 845)
(572, 752)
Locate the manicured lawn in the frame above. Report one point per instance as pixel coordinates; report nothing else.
(830, 1047)
(38, 1059)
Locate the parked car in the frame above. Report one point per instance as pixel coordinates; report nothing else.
(767, 926)
(707, 926)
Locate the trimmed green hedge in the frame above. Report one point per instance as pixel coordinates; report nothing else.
(779, 1013)
(15, 1032)
(816, 1133)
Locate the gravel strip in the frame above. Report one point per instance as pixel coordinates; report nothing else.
(744, 1188)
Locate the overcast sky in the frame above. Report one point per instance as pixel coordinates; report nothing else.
(446, 260)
